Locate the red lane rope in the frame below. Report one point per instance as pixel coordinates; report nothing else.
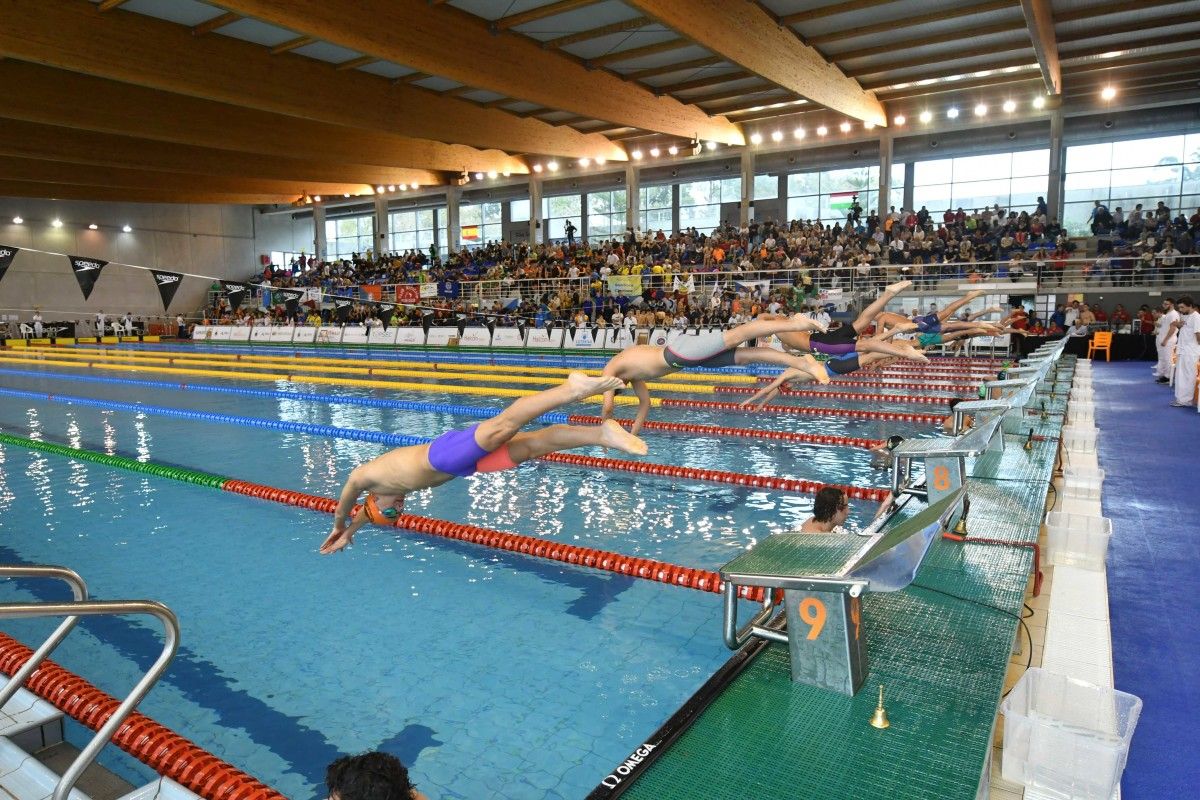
(942, 384)
(646, 568)
(155, 745)
(709, 405)
(742, 433)
(862, 397)
(713, 475)
(915, 375)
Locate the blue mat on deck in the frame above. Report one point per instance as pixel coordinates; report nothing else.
(1149, 452)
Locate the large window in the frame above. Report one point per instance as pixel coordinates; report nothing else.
(766, 187)
(518, 210)
(1145, 171)
(606, 214)
(700, 202)
(345, 236)
(1013, 181)
(654, 209)
(557, 210)
(829, 194)
(410, 230)
(479, 223)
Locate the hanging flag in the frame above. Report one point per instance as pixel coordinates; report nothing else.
(7, 254)
(470, 233)
(290, 298)
(408, 293)
(384, 313)
(841, 201)
(341, 309)
(87, 271)
(235, 292)
(371, 290)
(168, 284)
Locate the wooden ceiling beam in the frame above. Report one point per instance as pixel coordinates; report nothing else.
(355, 63)
(637, 52)
(59, 191)
(910, 22)
(157, 54)
(705, 82)
(890, 80)
(541, 12)
(597, 33)
(737, 91)
(934, 59)
(52, 97)
(831, 10)
(433, 40)
(208, 26)
(766, 49)
(925, 41)
(109, 5)
(49, 143)
(23, 169)
(1002, 79)
(292, 44)
(1040, 21)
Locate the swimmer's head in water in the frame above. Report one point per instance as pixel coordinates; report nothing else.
(385, 515)
(894, 441)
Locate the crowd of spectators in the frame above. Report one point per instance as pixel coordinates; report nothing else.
(1143, 246)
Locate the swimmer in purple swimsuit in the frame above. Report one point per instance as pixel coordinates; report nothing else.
(489, 446)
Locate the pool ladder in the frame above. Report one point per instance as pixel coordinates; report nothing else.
(30, 778)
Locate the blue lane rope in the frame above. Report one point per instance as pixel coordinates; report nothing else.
(475, 412)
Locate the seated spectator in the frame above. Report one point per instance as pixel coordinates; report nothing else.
(1086, 316)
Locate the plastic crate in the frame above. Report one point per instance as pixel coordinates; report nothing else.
(1077, 540)
(1081, 415)
(1082, 395)
(1083, 482)
(1067, 738)
(1079, 438)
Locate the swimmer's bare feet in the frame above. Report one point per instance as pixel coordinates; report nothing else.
(975, 293)
(613, 435)
(905, 327)
(915, 354)
(804, 323)
(582, 386)
(897, 287)
(815, 369)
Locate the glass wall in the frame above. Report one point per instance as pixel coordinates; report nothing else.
(700, 202)
(479, 223)
(410, 230)
(1146, 171)
(345, 236)
(557, 210)
(518, 210)
(606, 214)
(654, 209)
(827, 195)
(1013, 181)
(766, 187)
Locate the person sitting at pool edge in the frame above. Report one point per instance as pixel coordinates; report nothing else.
(490, 446)
(831, 509)
(881, 456)
(370, 776)
(948, 422)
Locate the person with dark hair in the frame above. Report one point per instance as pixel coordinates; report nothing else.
(1187, 352)
(370, 776)
(881, 456)
(831, 509)
(948, 422)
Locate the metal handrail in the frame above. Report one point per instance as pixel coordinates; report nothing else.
(93, 608)
(78, 588)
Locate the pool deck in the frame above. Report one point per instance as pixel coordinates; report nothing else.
(941, 647)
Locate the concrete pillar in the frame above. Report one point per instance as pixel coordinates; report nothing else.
(633, 196)
(676, 225)
(535, 209)
(885, 174)
(747, 186)
(910, 176)
(453, 229)
(381, 224)
(320, 243)
(1054, 189)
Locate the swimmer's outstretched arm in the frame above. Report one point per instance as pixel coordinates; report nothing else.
(643, 395)
(764, 395)
(342, 534)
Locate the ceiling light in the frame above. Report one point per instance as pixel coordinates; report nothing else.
(506, 174)
(93, 227)
(346, 194)
(845, 127)
(18, 221)
(983, 73)
(1112, 54)
(868, 125)
(404, 187)
(316, 198)
(777, 136)
(537, 167)
(1010, 70)
(926, 116)
(798, 133)
(952, 112)
(899, 119)
(981, 110)
(901, 85)
(654, 152)
(378, 190)
(821, 131)
(127, 229)
(478, 177)
(636, 155)
(1009, 106)
(756, 138)
(1108, 93)
(600, 161)
(1039, 102)
(57, 223)
(552, 166)
(492, 174)
(585, 162)
(952, 78)
(711, 145)
(392, 187)
(673, 150)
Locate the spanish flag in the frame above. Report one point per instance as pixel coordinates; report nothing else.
(470, 233)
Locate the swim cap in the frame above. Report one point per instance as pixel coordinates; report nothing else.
(894, 441)
(381, 516)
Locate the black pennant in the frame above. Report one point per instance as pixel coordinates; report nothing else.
(291, 299)
(87, 271)
(7, 254)
(341, 308)
(385, 314)
(168, 284)
(236, 292)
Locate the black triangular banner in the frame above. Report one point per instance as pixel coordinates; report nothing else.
(168, 284)
(291, 298)
(341, 308)
(385, 314)
(87, 271)
(7, 254)
(236, 292)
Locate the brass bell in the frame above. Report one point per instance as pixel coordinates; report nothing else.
(960, 527)
(880, 719)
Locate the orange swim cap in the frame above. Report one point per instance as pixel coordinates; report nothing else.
(381, 516)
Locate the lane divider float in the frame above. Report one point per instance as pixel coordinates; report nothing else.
(860, 397)
(890, 416)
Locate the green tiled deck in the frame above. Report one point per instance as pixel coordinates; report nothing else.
(940, 647)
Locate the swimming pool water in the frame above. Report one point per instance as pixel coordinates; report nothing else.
(491, 674)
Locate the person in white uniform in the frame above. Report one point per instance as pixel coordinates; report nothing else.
(100, 321)
(1188, 352)
(1164, 337)
(37, 323)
